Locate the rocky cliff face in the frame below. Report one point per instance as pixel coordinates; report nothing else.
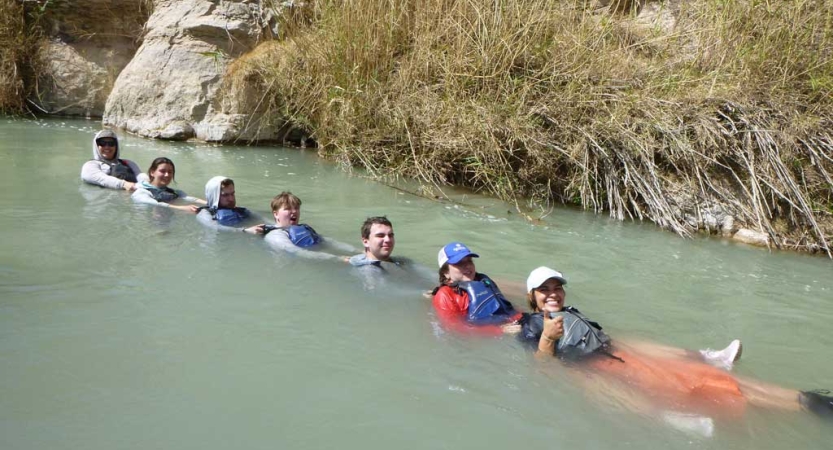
(170, 88)
(90, 42)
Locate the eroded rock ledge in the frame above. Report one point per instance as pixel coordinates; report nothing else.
(170, 88)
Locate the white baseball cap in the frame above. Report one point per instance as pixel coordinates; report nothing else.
(538, 276)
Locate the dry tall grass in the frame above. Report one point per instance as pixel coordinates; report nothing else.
(22, 37)
(15, 48)
(561, 101)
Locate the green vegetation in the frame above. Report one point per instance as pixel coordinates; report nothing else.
(713, 103)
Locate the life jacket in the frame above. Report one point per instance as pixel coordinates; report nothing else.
(582, 336)
(161, 194)
(301, 235)
(121, 170)
(227, 216)
(487, 305)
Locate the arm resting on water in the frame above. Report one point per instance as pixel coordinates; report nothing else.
(279, 240)
(93, 173)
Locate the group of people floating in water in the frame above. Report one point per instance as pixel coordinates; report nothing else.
(684, 387)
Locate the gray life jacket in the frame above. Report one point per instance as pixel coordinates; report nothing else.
(122, 171)
(160, 194)
(581, 335)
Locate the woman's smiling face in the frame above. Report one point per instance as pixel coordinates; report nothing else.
(462, 271)
(162, 175)
(106, 148)
(549, 296)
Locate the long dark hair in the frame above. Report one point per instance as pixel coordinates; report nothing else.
(158, 162)
(443, 273)
(530, 298)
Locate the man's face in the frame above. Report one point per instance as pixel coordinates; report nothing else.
(227, 198)
(379, 245)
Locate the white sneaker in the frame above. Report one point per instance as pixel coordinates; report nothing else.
(690, 423)
(725, 358)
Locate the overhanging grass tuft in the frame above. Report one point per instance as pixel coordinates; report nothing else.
(15, 51)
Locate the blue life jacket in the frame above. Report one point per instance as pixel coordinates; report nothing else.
(487, 305)
(229, 216)
(302, 235)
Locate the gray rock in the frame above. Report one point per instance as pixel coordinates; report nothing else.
(171, 88)
(751, 237)
(90, 42)
(727, 228)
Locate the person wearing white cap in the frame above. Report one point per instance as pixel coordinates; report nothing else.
(670, 382)
(467, 300)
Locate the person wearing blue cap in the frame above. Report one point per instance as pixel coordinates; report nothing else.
(467, 300)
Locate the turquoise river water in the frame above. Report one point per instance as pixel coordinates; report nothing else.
(125, 327)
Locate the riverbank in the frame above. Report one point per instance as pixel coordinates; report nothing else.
(699, 116)
(704, 116)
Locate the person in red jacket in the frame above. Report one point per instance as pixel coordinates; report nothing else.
(469, 301)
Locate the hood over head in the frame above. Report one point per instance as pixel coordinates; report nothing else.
(212, 191)
(104, 134)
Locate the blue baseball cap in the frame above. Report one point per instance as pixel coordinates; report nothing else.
(453, 253)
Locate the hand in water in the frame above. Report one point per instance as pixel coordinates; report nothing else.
(128, 186)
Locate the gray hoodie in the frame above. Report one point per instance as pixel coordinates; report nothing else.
(233, 219)
(212, 191)
(98, 171)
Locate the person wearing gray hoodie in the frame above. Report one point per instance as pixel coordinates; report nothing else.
(106, 169)
(221, 210)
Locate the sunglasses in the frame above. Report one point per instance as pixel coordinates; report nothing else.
(106, 143)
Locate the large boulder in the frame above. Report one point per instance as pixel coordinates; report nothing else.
(88, 43)
(170, 90)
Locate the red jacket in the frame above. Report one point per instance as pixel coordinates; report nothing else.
(452, 307)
